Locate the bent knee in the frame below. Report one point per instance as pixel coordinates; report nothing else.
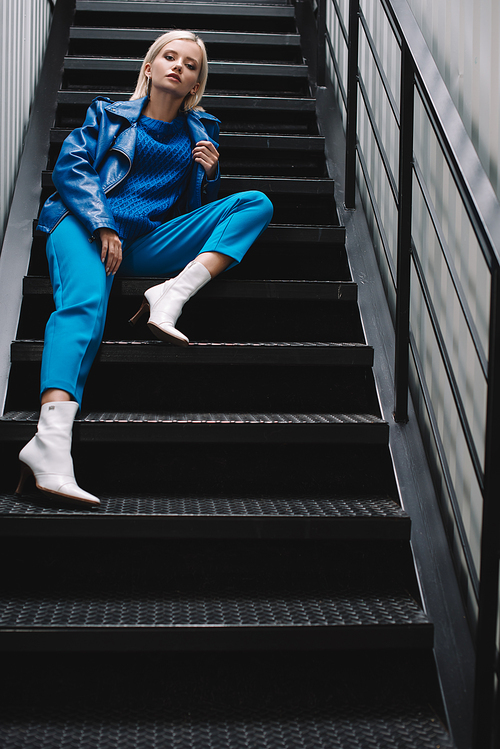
(261, 202)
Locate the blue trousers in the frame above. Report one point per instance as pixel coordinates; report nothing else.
(81, 288)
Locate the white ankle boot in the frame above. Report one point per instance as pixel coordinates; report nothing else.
(166, 301)
(48, 454)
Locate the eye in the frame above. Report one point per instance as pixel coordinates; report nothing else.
(191, 66)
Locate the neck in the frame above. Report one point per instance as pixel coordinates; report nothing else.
(162, 107)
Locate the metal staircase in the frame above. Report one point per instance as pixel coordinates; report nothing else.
(248, 580)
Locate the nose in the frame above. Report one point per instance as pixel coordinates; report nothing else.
(177, 64)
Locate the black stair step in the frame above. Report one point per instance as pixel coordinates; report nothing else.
(187, 8)
(338, 291)
(235, 46)
(268, 185)
(222, 428)
(140, 620)
(298, 143)
(254, 700)
(274, 354)
(193, 593)
(253, 69)
(248, 113)
(207, 517)
(210, 101)
(287, 234)
(209, 37)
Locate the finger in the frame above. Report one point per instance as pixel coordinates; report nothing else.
(115, 264)
(114, 259)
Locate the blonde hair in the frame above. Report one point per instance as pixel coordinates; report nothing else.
(192, 100)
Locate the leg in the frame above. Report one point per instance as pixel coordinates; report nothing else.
(215, 236)
(72, 337)
(74, 331)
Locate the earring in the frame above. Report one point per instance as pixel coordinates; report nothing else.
(148, 87)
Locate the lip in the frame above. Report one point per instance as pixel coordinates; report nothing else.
(174, 76)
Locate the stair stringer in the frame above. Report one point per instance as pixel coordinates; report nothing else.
(453, 646)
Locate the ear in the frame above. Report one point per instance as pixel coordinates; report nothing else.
(147, 68)
(194, 89)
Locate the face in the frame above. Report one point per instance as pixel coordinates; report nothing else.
(176, 68)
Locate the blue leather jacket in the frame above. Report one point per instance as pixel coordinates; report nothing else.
(98, 156)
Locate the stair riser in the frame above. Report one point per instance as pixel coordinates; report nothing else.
(259, 162)
(209, 388)
(122, 80)
(230, 20)
(267, 259)
(251, 469)
(256, 49)
(225, 639)
(205, 319)
(241, 116)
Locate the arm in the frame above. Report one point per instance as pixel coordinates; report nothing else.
(75, 177)
(206, 154)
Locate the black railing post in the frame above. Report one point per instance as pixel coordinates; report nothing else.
(321, 42)
(486, 721)
(352, 105)
(407, 106)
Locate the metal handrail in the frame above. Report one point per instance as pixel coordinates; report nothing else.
(419, 75)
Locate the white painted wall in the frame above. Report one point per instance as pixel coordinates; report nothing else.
(24, 27)
(464, 38)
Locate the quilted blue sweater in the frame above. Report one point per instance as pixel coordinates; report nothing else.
(159, 174)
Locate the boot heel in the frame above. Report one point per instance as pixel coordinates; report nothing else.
(141, 311)
(26, 472)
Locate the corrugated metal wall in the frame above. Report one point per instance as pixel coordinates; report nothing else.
(464, 36)
(24, 26)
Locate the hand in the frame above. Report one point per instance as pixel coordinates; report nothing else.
(206, 154)
(111, 249)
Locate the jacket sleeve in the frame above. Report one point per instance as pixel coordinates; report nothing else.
(75, 178)
(210, 187)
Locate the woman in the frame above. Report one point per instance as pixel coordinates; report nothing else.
(135, 190)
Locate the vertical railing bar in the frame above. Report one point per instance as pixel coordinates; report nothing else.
(485, 720)
(401, 367)
(321, 42)
(352, 105)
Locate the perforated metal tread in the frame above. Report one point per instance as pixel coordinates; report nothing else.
(206, 517)
(160, 726)
(256, 701)
(227, 506)
(166, 614)
(247, 428)
(265, 353)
